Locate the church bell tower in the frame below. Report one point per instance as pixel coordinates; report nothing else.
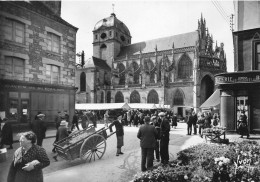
(109, 36)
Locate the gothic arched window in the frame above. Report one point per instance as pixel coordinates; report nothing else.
(102, 97)
(119, 97)
(108, 97)
(149, 67)
(135, 97)
(178, 98)
(82, 82)
(121, 68)
(153, 97)
(136, 73)
(185, 67)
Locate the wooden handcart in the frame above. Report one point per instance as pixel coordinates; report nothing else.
(86, 144)
(214, 134)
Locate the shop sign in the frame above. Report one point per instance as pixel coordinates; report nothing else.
(242, 78)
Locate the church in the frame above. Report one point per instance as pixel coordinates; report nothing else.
(177, 70)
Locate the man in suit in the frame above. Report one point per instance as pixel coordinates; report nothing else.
(119, 125)
(164, 137)
(39, 128)
(147, 135)
(6, 134)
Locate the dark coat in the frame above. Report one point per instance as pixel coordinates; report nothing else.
(57, 121)
(147, 134)
(62, 133)
(75, 119)
(7, 134)
(136, 119)
(119, 127)
(174, 120)
(17, 174)
(165, 129)
(39, 128)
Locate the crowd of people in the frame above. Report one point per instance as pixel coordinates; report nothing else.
(153, 132)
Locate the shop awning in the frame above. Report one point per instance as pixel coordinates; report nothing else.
(101, 106)
(212, 101)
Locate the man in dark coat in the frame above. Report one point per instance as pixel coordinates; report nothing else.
(119, 125)
(62, 133)
(67, 117)
(58, 120)
(194, 122)
(75, 121)
(6, 134)
(147, 135)
(189, 124)
(39, 128)
(164, 137)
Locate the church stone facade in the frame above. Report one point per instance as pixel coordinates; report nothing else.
(177, 70)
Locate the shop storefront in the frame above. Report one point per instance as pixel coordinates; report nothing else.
(240, 91)
(20, 101)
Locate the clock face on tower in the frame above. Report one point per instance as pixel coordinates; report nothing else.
(103, 35)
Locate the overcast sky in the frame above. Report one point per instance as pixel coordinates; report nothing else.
(148, 20)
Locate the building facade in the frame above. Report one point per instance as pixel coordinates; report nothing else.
(240, 89)
(37, 60)
(177, 70)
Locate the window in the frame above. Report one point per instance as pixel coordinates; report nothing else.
(96, 36)
(185, 67)
(257, 56)
(135, 97)
(121, 68)
(53, 42)
(178, 98)
(14, 67)
(82, 82)
(52, 73)
(110, 33)
(153, 97)
(14, 31)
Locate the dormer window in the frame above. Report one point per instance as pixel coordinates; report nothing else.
(96, 36)
(110, 33)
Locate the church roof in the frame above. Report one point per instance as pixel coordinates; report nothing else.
(96, 62)
(112, 21)
(165, 43)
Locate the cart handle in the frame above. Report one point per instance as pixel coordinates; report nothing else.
(111, 134)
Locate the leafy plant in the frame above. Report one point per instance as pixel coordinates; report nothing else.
(237, 161)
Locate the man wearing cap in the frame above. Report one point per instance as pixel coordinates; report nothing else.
(164, 137)
(62, 133)
(119, 133)
(147, 135)
(39, 128)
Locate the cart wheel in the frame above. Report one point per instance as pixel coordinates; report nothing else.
(93, 147)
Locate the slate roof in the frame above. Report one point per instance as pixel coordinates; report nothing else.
(165, 43)
(112, 21)
(96, 62)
